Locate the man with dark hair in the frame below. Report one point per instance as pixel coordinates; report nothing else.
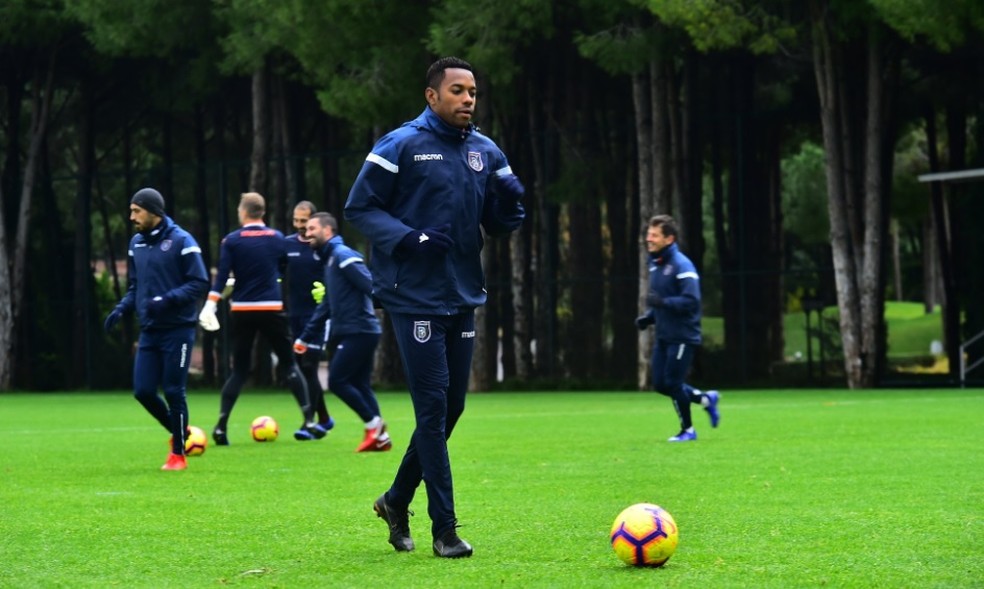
(353, 329)
(166, 279)
(421, 197)
(255, 254)
(673, 305)
(303, 273)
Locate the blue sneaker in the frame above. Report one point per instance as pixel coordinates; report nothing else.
(712, 407)
(684, 436)
(310, 431)
(326, 426)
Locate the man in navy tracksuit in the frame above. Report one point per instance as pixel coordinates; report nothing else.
(673, 304)
(303, 271)
(421, 197)
(353, 329)
(167, 278)
(255, 254)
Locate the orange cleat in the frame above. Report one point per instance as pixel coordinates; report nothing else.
(175, 462)
(374, 437)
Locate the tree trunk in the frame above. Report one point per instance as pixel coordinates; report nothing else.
(13, 291)
(82, 250)
(855, 141)
(258, 159)
(644, 164)
(485, 337)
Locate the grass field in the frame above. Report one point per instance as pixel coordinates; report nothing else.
(910, 330)
(800, 488)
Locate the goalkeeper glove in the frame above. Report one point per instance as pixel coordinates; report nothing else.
(207, 318)
(318, 292)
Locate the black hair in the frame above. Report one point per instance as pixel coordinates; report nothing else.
(435, 73)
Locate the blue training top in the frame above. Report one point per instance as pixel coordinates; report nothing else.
(422, 175)
(303, 269)
(348, 286)
(256, 256)
(165, 262)
(674, 278)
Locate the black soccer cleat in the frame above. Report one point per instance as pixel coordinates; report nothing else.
(449, 545)
(219, 437)
(398, 522)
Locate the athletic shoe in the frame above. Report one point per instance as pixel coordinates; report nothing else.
(684, 436)
(383, 444)
(398, 522)
(219, 437)
(310, 431)
(327, 425)
(449, 545)
(175, 462)
(712, 407)
(373, 435)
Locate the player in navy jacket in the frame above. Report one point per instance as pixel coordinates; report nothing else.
(353, 329)
(422, 198)
(256, 255)
(673, 304)
(167, 278)
(303, 270)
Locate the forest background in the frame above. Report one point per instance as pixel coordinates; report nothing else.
(786, 137)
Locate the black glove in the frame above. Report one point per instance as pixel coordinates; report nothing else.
(510, 186)
(654, 300)
(644, 321)
(157, 305)
(112, 319)
(434, 240)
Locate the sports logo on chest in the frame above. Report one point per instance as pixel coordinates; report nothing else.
(475, 161)
(166, 245)
(668, 270)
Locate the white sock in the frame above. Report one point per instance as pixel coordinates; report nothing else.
(373, 423)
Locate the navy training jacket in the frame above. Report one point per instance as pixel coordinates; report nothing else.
(166, 262)
(348, 300)
(421, 175)
(674, 278)
(256, 255)
(303, 269)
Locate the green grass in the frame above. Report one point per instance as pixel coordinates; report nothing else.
(802, 488)
(910, 330)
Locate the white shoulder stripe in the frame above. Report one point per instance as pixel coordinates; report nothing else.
(504, 171)
(349, 261)
(683, 275)
(383, 163)
(191, 250)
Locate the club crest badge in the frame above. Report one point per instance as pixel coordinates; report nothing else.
(475, 161)
(166, 245)
(422, 331)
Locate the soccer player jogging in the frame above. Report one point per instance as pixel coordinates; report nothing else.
(166, 279)
(421, 197)
(673, 305)
(304, 271)
(255, 254)
(353, 331)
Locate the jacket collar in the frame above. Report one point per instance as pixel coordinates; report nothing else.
(157, 233)
(329, 246)
(430, 121)
(664, 254)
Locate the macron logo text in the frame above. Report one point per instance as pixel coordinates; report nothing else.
(425, 157)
